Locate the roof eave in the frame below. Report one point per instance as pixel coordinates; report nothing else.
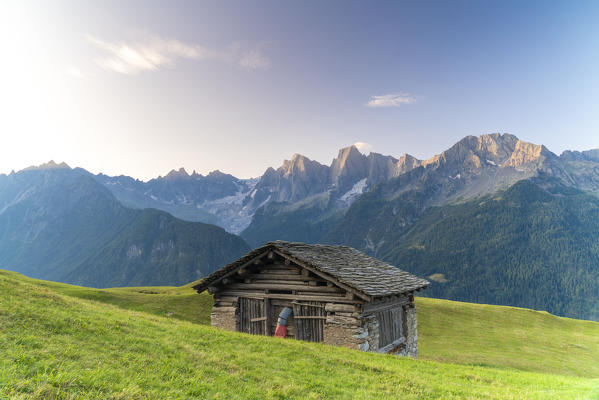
(207, 282)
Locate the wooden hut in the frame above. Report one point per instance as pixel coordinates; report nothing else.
(338, 296)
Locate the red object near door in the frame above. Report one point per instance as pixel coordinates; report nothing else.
(281, 331)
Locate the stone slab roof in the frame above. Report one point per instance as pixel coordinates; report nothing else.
(349, 266)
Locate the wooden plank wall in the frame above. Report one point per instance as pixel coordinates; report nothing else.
(252, 316)
(277, 283)
(276, 280)
(309, 321)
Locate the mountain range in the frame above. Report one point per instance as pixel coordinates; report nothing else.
(473, 167)
(60, 224)
(493, 219)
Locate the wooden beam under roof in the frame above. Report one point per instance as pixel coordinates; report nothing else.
(325, 276)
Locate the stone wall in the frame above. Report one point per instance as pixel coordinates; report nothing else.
(360, 332)
(368, 333)
(224, 319)
(339, 335)
(412, 332)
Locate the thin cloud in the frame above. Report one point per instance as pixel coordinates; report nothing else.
(253, 59)
(154, 53)
(363, 147)
(391, 100)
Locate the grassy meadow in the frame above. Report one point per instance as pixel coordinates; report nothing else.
(65, 342)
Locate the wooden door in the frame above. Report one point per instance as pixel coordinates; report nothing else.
(391, 323)
(252, 316)
(309, 321)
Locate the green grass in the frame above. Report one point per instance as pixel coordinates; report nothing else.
(174, 302)
(512, 337)
(449, 331)
(61, 342)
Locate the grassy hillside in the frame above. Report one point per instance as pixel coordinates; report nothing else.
(167, 301)
(59, 346)
(506, 337)
(463, 333)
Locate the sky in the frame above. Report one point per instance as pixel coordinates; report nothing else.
(142, 87)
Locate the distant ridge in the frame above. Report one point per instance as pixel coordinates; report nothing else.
(61, 224)
(49, 165)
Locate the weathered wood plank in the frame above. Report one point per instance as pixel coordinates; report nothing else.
(280, 282)
(284, 276)
(333, 307)
(279, 268)
(231, 299)
(318, 293)
(392, 345)
(379, 306)
(261, 295)
(277, 286)
(317, 305)
(223, 309)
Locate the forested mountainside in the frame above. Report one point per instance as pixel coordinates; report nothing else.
(533, 245)
(60, 224)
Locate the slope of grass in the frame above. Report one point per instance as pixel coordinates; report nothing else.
(56, 346)
(176, 302)
(500, 336)
(455, 332)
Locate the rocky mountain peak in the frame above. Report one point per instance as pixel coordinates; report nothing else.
(349, 166)
(381, 168)
(299, 164)
(219, 174)
(526, 153)
(407, 163)
(181, 173)
(347, 155)
(588, 155)
(49, 165)
(495, 150)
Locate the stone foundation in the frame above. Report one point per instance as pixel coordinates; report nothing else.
(412, 333)
(338, 335)
(226, 320)
(368, 333)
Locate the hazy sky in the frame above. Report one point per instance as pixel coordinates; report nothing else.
(142, 87)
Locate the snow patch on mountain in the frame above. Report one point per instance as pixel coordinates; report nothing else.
(353, 193)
